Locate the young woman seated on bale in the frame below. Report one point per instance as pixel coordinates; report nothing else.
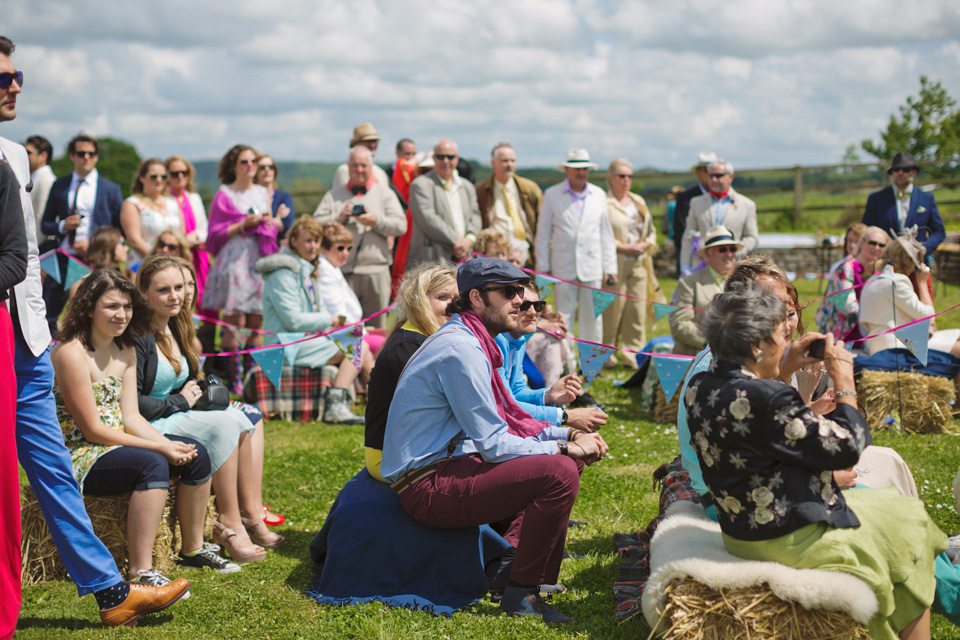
(768, 461)
(114, 449)
(168, 386)
(304, 290)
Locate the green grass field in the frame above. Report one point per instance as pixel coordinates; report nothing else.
(308, 462)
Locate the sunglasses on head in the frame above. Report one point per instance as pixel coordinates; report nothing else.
(179, 174)
(344, 247)
(445, 156)
(538, 305)
(85, 154)
(874, 243)
(7, 78)
(510, 291)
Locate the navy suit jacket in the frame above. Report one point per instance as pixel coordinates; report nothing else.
(881, 211)
(106, 208)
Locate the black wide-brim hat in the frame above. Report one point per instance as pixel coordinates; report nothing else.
(903, 160)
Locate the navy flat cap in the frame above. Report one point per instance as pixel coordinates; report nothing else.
(480, 271)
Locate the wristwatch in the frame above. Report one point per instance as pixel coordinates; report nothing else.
(563, 447)
(564, 416)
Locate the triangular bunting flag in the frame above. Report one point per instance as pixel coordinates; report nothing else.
(915, 337)
(51, 266)
(602, 300)
(670, 370)
(290, 350)
(545, 284)
(791, 275)
(661, 309)
(592, 357)
(271, 361)
(838, 297)
(75, 271)
(348, 339)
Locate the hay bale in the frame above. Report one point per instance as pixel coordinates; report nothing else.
(921, 401)
(39, 555)
(663, 411)
(694, 611)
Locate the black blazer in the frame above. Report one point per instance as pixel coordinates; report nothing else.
(147, 360)
(767, 459)
(106, 208)
(13, 235)
(680, 213)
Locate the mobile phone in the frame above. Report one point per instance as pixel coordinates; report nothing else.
(358, 210)
(817, 349)
(611, 281)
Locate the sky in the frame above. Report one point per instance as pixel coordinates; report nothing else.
(762, 83)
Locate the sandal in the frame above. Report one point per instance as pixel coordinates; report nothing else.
(261, 535)
(272, 519)
(231, 542)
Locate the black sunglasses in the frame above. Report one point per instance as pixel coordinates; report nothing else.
(445, 156)
(7, 79)
(510, 291)
(166, 245)
(85, 154)
(179, 174)
(538, 305)
(344, 247)
(264, 167)
(157, 176)
(716, 175)
(726, 249)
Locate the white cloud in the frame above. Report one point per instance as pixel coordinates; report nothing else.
(762, 83)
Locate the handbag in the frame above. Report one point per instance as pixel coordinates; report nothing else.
(214, 394)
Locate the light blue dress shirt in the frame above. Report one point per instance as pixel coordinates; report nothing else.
(444, 396)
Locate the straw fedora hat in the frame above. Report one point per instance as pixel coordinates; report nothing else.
(363, 132)
(717, 237)
(577, 159)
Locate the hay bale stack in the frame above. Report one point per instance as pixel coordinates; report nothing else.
(921, 401)
(109, 517)
(663, 411)
(694, 611)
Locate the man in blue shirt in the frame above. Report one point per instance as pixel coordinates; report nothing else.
(459, 452)
(542, 404)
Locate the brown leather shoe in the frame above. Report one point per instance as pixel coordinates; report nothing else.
(144, 599)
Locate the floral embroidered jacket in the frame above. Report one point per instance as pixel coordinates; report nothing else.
(767, 459)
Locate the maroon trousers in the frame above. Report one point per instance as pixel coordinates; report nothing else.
(9, 483)
(539, 491)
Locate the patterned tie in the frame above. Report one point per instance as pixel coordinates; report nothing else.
(518, 230)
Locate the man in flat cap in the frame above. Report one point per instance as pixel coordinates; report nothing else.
(460, 452)
(366, 135)
(901, 206)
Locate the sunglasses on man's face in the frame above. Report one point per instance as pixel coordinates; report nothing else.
(538, 305)
(510, 291)
(716, 176)
(85, 154)
(727, 248)
(7, 78)
(445, 156)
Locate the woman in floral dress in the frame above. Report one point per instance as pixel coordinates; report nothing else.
(114, 450)
(768, 463)
(149, 211)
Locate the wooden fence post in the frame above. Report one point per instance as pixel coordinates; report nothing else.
(797, 194)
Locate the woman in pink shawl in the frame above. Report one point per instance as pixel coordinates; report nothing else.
(242, 229)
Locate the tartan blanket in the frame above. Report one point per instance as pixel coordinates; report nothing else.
(299, 398)
(632, 576)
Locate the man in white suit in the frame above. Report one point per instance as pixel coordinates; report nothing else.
(40, 446)
(721, 206)
(575, 242)
(443, 206)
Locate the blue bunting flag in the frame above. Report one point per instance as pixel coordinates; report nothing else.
(670, 370)
(592, 357)
(271, 361)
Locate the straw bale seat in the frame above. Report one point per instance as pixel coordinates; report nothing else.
(698, 591)
(922, 402)
(663, 411)
(109, 517)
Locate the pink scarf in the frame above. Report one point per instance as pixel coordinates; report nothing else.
(223, 213)
(519, 422)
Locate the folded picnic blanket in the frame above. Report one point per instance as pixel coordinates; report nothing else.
(688, 544)
(370, 549)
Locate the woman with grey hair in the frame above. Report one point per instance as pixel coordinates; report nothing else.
(768, 461)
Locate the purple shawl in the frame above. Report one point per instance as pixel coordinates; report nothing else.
(223, 213)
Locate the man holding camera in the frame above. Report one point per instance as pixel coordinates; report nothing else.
(373, 214)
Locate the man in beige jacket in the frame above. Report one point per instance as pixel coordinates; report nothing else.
(371, 211)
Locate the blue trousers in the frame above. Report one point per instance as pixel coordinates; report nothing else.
(49, 468)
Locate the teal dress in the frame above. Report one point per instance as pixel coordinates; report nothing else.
(219, 431)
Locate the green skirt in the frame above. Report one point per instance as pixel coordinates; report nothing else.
(893, 551)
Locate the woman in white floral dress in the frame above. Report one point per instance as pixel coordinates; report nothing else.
(768, 461)
(149, 211)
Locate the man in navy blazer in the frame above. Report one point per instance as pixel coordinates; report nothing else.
(78, 205)
(901, 206)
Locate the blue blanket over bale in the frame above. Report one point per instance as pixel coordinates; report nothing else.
(370, 549)
(939, 363)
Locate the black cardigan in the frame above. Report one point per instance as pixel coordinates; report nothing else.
(13, 237)
(147, 360)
